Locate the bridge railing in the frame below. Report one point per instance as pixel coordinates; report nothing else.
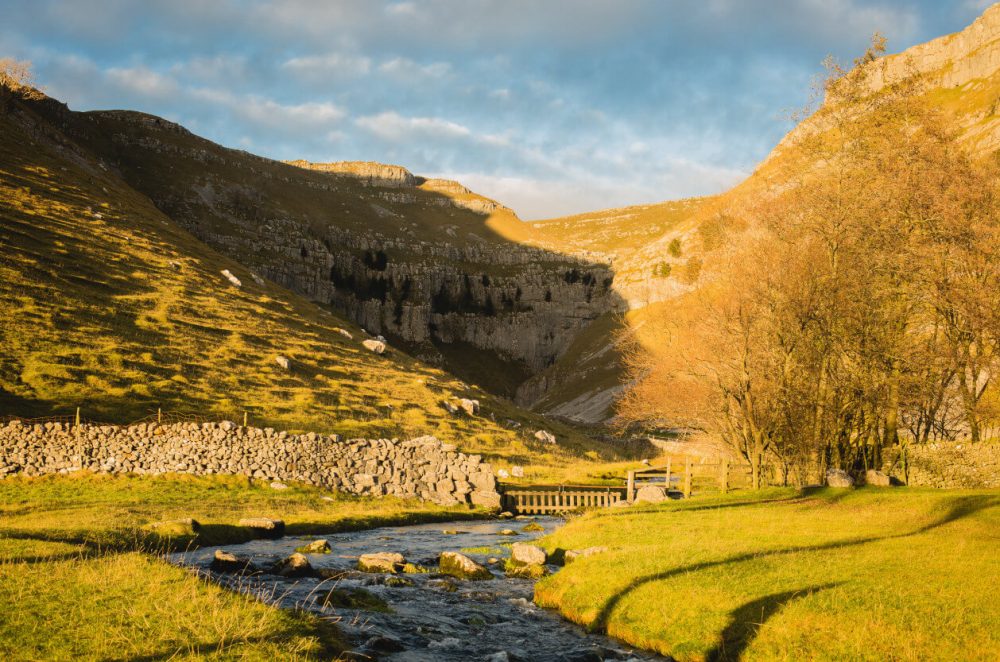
(549, 500)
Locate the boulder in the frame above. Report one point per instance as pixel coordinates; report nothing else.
(535, 571)
(228, 562)
(545, 437)
(839, 478)
(575, 554)
(526, 554)
(503, 473)
(384, 562)
(517, 471)
(264, 527)
(470, 407)
(376, 346)
(344, 332)
(533, 527)
(321, 546)
(231, 278)
(278, 486)
(651, 494)
(296, 565)
(462, 567)
(876, 478)
(508, 532)
(490, 500)
(380, 644)
(283, 362)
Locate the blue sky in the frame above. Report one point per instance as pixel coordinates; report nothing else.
(551, 107)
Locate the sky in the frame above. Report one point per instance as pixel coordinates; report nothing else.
(552, 108)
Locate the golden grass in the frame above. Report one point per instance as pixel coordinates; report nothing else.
(871, 574)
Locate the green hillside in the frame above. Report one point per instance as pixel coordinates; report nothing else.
(111, 307)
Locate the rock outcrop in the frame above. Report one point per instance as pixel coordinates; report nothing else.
(418, 468)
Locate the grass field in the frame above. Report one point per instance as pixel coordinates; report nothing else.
(901, 574)
(80, 577)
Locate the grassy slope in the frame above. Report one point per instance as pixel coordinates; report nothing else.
(111, 307)
(868, 574)
(76, 583)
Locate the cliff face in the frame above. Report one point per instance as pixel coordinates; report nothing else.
(426, 262)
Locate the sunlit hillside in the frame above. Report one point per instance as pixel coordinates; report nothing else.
(113, 308)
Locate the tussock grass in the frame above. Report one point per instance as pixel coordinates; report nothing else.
(81, 578)
(868, 574)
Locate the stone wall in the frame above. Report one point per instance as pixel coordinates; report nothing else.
(947, 464)
(421, 468)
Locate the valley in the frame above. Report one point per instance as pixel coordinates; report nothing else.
(212, 359)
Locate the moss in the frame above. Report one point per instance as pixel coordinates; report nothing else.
(455, 565)
(514, 569)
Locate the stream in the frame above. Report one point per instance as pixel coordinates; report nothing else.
(436, 618)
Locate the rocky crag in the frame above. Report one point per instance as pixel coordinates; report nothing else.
(421, 468)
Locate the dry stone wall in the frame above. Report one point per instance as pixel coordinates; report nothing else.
(948, 465)
(422, 468)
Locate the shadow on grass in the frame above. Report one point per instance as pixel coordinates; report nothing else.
(960, 507)
(746, 620)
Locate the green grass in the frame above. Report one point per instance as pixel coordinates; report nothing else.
(80, 577)
(900, 574)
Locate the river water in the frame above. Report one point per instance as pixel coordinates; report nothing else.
(436, 619)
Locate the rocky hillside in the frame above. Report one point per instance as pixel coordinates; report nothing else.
(660, 251)
(443, 271)
(111, 306)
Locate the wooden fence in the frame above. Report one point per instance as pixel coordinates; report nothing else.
(686, 474)
(548, 500)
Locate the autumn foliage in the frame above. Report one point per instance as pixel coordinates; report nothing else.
(857, 305)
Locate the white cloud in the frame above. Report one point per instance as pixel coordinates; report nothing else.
(392, 126)
(405, 68)
(270, 113)
(329, 64)
(143, 81)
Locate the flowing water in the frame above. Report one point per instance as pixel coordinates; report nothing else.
(435, 619)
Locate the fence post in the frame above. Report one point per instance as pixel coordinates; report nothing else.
(630, 487)
(687, 476)
(77, 422)
(244, 418)
(159, 416)
(724, 477)
(670, 462)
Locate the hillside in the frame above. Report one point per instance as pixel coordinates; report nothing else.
(112, 307)
(436, 268)
(660, 251)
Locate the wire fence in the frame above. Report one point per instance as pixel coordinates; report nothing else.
(159, 417)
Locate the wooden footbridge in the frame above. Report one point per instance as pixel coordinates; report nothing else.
(680, 477)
